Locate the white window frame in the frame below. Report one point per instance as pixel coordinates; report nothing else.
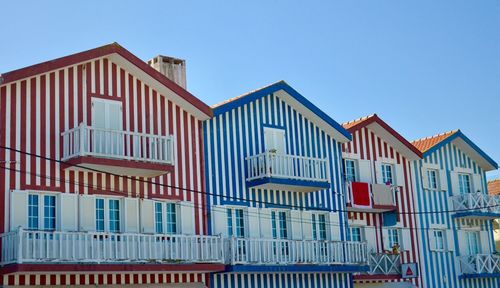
(107, 103)
(436, 238)
(461, 178)
(433, 175)
(355, 165)
(276, 221)
(390, 236)
(233, 231)
(360, 229)
(276, 133)
(164, 215)
(468, 242)
(107, 219)
(316, 226)
(383, 167)
(41, 211)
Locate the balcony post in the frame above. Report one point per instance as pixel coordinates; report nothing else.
(19, 245)
(82, 130)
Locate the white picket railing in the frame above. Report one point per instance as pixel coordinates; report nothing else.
(279, 251)
(476, 202)
(91, 141)
(384, 264)
(269, 164)
(479, 264)
(55, 246)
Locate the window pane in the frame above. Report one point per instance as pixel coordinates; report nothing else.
(171, 218)
(322, 226)
(159, 217)
(273, 224)
(33, 212)
(314, 224)
(350, 170)
(49, 217)
(99, 215)
(282, 223)
(240, 225)
(387, 173)
(229, 214)
(114, 215)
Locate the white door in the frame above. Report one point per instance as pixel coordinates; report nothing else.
(106, 135)
(279, 226)
(274, 140)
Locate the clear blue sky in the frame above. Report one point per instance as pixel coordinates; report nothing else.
(423, 66)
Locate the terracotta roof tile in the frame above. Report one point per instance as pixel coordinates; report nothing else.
(355, 122)
(494, 187)
(427, 143)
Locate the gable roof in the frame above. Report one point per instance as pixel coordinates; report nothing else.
(385, 131)
(131, 62)
(430, 144)
(494, 187)
(293, 98)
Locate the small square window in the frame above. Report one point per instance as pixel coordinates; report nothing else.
(350, 170)
(387, 175)
(439, 240)
(432, 178)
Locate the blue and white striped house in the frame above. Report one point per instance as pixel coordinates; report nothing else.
(275, 192)
(457, 246)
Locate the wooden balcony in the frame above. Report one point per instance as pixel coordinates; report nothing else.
(287, 172)
(23, 246)
(484, 265)
(476, 205)
(118, 152)
(253, 251)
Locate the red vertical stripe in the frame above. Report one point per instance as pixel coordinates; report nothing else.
(105, 77)
(3, 121)
(53, 134)
(114, 81)
(97, 77)
(23, 132)
(43, 128)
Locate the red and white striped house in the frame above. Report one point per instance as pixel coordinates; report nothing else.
(92, 148)
(380, 201)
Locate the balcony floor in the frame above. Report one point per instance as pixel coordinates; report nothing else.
(373, 208)
(118, 166)
(477, 215)
(298, 268)
(274, 183)
(479, 275)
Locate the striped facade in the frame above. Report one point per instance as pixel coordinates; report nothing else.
(36, 109)
(442, 268)
(368, 145)
(237, 131)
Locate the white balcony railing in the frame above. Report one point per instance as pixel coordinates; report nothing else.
(477, 202)
(269, 164)
(118, 144)
(384, 264)
(42, 246)
(278, 251)
(479, 264)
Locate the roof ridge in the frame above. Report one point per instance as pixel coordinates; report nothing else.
(245, 94)
(436, 135)
(363, 118)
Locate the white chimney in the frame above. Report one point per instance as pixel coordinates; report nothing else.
(173, 68)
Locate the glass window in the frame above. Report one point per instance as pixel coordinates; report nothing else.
(229, 213)
(171, 218)
(432, 178)
(158, 218)
(49, 212)
(33, 212)
(393, 237)
(350, 170)
(439, 239)
(99, 215)
(472, 242)
(114, 215)
(319, 226)
(464, 183)
(387, 174)
(235, 222)
(355, 234)
(279, 224)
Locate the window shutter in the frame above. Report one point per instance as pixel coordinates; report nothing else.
(296, 221)
(219, 220)
(130, 211)
(253, 222)
(431, 239)
(365, 171)
(187, 217)
(443, 180)
(406, 239)
(371, 238)
(307, 225)
(148, 216)
(450, 241)
(87, 213)
(485, 242)
(425, 179)
(385, 239)
(265, 224)
(477, 183)
(378, 172)
(454, 183)
(400, 175)
(18, 209)
(462, 242)
(334, 225)
(68, 212)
